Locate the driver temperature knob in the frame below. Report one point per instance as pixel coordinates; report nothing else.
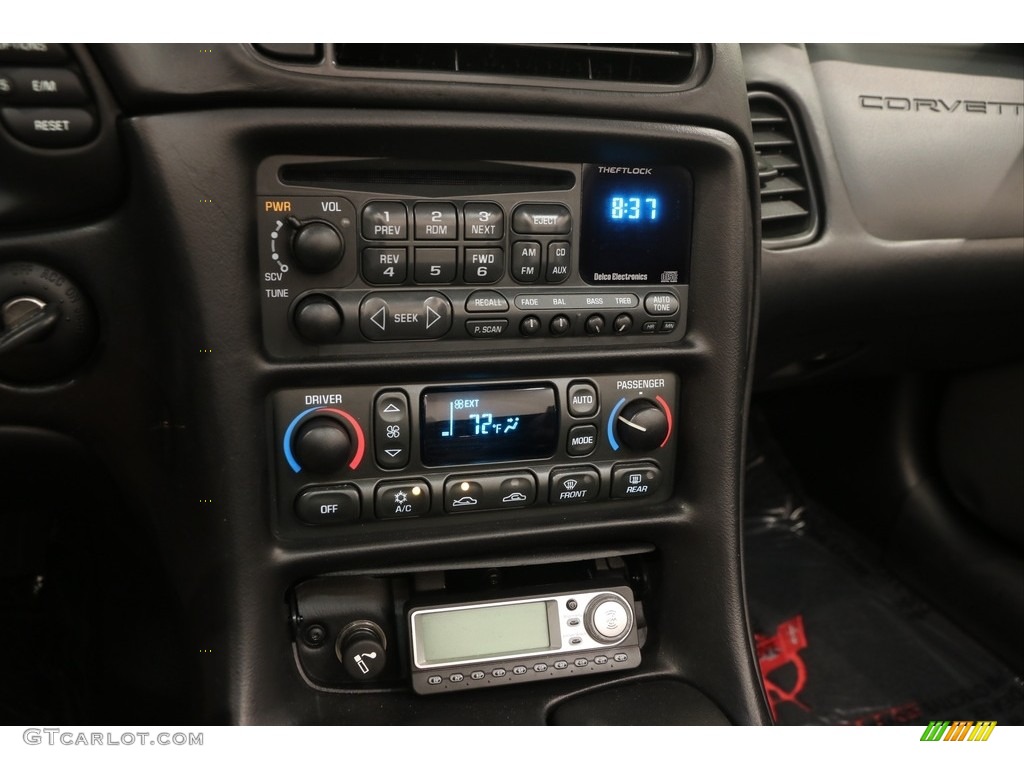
(641, 425)
(317, 246)
(323, 445)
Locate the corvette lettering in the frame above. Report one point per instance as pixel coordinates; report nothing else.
(940, 106)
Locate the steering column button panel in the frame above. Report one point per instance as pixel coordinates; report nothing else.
(576, 254)
(366, 454)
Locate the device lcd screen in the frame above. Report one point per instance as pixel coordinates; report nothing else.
(472, 426)
(636, 225)
(491, 631)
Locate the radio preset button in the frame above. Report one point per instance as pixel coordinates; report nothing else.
(434, 680)
(385, 220)
(561, 664)
(526, 261)
(484, 221)
(543, 219)
(600, 659)
(477, 675)
(661, 304)
(582, 662)
(385, 266)
(404, 316)
(483, 265)
(435, 221)
(486, 301)
(519, 670)
(434, 265)
(583, 400)
(327, 505)
(635, 481)
(574, 485)
(498, 672)
(456, 677)
(620, 657)
(540, 666)
(404, 499)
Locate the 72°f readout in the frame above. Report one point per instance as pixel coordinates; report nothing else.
(481, 423)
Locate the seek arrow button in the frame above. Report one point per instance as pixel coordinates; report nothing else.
(404, 316)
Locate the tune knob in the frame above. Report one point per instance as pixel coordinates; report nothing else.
(318, 319)
(323, 445)
(317, 246)
(642, 425)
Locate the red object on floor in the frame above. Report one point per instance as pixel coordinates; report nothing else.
(775, 652)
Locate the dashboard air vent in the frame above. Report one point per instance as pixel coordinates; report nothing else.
(789, 210)
(650, 64)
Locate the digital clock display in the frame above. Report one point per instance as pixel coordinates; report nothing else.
(476, 426)
(636, 224)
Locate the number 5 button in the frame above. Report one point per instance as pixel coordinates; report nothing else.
(391, 430)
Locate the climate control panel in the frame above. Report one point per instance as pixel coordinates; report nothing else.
(360, 454)
(356, 253)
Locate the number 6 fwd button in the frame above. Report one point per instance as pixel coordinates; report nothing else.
(404, 316)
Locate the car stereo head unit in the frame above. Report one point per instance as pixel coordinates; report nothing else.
(485, 643)
(358, 252)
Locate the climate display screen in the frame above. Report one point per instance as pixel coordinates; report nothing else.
(636, 225)
(476, 426)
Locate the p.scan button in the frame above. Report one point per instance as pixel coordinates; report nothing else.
(398, 316)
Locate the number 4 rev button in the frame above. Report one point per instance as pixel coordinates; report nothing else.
(391, 430)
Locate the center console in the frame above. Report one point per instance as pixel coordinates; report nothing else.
(456, 376)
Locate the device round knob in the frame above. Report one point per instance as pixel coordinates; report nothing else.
(362, 650)
(317, 247)
(608, 618)
(318, 319)
(641, 425)
(322, 444)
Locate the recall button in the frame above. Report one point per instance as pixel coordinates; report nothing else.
(486, 301)
(328, 505)
(661, 304)
(405, 315)
(574, 485)
(51, 128)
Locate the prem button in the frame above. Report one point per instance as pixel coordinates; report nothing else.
(50, 127)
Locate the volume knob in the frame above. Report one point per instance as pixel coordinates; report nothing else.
(317, 247)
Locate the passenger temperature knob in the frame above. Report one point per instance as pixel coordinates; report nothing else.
(642, 425)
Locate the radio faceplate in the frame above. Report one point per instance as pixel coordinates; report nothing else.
(364, 454)
(481, 644)
(354, 253)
